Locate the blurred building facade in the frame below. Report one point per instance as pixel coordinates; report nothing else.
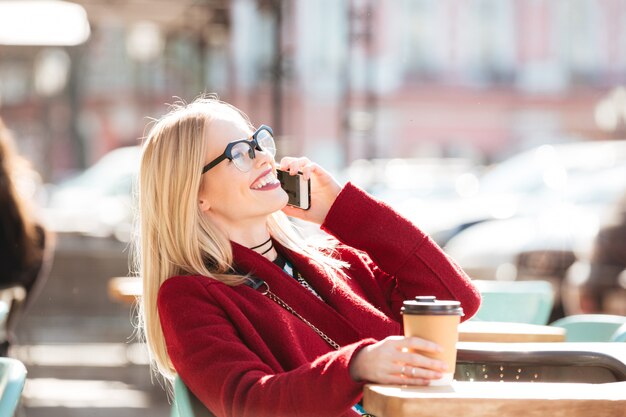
(338, 79)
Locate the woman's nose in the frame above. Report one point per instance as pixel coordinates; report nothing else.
(263, 157)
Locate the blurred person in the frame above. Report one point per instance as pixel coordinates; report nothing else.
(24, 250)
(602, 286)
(253, 318)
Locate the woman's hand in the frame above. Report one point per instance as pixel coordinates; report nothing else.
(324, 189)
(396, 360)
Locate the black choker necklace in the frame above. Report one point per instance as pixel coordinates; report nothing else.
(268, 249)
(263, 244)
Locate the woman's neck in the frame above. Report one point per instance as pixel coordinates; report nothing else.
(258, 240)
(266, 248)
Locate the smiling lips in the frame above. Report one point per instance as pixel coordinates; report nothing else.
(266, 181)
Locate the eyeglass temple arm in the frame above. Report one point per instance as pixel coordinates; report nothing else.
(213, 163)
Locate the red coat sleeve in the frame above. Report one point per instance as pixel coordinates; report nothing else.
(232, 377)
(405, 261)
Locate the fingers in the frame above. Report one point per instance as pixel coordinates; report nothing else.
(411, 375)
(419, 344)
(407, 371)
(413, 344)
(404, 374)
(295, 165)
(292, 211)
(399, 360)
(421, 361)
(415, 364)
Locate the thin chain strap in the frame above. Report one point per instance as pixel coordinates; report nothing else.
(287, 307)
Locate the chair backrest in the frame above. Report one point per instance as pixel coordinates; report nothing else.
(590, 327)
(5, 308)
(182, 403)
(589, 363)
(11, 303)
(12, 379)
(19, 296)
(185, 403)
(620, 334)
(13, 297)
(515, 301)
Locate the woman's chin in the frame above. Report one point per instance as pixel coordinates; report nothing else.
(283, 204)
(280, 202)
(284, 198)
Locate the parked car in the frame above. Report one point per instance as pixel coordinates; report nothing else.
(419, 188)
(530, 182)
(555, 227)
(98, 201)
(445, 196)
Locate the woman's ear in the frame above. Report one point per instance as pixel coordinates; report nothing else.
(204, 205)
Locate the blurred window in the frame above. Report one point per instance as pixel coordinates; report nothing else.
(253, 43)
(581, 29)
(322, 27)
(15, 77)
(423, 38)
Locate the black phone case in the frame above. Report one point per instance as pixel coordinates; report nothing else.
(293, 194)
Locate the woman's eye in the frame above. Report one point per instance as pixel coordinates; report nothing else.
(237, 155)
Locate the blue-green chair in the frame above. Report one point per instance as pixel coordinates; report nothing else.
(620, 334)
(590, 327)
(182, 402)
(12, 379)
(185, 403)
(515, 301)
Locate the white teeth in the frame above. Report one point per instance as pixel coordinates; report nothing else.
(267, 179)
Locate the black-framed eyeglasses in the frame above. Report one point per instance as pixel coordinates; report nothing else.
(241, 152)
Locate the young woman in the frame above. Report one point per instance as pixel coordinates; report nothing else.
(254, 319)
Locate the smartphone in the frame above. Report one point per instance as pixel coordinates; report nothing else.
(298, 189)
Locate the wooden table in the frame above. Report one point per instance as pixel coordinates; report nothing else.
(512, 399)
(490, 331)
(498, 399)
(125, 289)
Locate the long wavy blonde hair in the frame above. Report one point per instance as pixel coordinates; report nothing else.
(174, 236)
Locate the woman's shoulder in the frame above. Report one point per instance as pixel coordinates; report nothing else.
(193, 293)
(345, 252)
(187, 282)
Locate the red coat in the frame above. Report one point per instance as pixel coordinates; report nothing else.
(243, 355)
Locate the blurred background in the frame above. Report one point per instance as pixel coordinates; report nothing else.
(495, 125)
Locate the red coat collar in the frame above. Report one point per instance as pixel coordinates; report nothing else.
(335, 315)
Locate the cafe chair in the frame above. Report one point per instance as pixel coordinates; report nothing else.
(590, 327)
(11, 303)
(620, 334)
(16, 298)
(185, 403)
(5, 308)
(543, 362)
(515, 301)
(12, 379)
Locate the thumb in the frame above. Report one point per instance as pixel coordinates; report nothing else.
(292, 211)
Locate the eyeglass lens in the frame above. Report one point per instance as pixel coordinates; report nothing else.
(266, 142)
(243, 153)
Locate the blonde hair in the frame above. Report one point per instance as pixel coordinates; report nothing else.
(174, 237)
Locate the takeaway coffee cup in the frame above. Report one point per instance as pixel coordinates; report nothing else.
(435, 320)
